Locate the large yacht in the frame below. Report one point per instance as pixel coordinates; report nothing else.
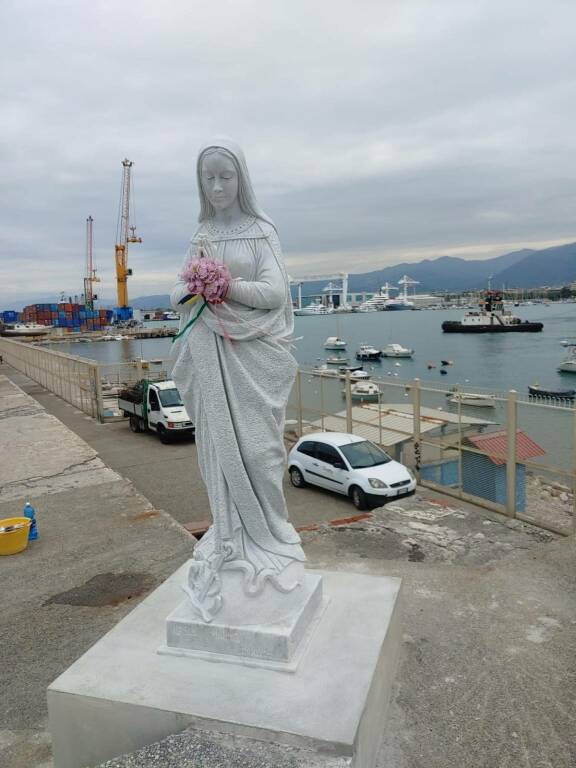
(491, 317)
(314, 309)
(379, 301)
(402, 302)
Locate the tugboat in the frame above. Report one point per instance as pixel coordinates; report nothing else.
(491, 318)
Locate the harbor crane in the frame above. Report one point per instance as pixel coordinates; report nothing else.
(125, 234)
(90, 273)
(343, 276)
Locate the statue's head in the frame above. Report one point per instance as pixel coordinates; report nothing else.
(219, 178)
(223, 179)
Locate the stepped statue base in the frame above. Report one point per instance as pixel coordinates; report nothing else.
(313, 673)
(270, 630)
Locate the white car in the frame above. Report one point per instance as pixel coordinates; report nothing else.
(349, 465)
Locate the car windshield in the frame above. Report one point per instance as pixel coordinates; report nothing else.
(170, 398)
(364, 454)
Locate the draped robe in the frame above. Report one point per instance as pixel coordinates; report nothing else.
(235, 374)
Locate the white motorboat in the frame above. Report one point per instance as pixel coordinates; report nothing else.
(314, 309)
(365, 391)
(472, 398)
(334, 342)
(337, 360)
(397, 350)
(356, 374)
(366, 352)
(569, 365)
(25, 329)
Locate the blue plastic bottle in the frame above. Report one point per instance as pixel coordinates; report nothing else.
(30, 513)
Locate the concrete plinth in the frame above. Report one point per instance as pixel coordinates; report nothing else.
(122, 694)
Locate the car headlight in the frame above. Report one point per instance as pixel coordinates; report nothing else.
(411, 475)
(375, 483)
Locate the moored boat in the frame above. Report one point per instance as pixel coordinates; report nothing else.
(569, 365)
(365, 391)
(314, 309)
(536, 390)
(357, 373)
(366, 352)
(472, 398)
(397, 350)
(491, 317)
(334, 342)
(26, 329)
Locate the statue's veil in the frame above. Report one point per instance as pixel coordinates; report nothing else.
(246, 197)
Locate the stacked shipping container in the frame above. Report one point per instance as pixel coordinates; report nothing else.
(72, 317)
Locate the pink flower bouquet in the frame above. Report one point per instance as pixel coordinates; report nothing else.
(208, 278)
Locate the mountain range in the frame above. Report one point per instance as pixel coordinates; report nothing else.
(526, 268)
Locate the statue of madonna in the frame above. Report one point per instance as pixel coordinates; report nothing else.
(234, 371)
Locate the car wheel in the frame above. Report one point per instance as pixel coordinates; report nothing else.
(358, 497)
(297, 478)
(163, 434)
(135, 424)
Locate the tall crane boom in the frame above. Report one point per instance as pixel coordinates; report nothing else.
(125, 234)
(90, 274)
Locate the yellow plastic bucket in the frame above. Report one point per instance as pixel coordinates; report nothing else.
(15, 539)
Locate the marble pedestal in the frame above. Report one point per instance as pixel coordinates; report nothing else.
(123, 694)
(269, 631)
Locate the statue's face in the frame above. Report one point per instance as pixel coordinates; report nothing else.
(219, 180)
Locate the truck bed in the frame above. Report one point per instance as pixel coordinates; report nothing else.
(128, 407)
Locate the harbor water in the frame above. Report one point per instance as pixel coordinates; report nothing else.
(496, 362)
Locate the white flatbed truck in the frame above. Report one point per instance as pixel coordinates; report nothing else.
(156, 406)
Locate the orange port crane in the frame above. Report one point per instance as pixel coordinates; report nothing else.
(90, 274)
(124, 234)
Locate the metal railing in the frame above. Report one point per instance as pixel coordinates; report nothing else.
(526, 470)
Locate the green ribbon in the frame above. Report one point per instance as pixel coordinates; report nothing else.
(190, 323)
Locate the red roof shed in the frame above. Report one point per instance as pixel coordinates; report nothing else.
(495, 444)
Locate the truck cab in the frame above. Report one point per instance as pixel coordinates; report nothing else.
(166, 412)
(157, 406)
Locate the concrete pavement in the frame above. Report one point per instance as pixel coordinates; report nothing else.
(167, 475)
(488, 673)
(102, 546)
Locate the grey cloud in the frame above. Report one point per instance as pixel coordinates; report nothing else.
(372, 129)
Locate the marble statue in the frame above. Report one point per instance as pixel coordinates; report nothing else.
(234, 371)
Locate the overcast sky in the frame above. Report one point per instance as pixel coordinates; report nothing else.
(376, 131)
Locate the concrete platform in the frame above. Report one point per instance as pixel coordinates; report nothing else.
(122, 695)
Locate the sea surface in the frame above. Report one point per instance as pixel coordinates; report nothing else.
(496, 362)
(485, 362)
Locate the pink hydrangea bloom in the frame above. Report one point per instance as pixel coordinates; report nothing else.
(208, 278)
